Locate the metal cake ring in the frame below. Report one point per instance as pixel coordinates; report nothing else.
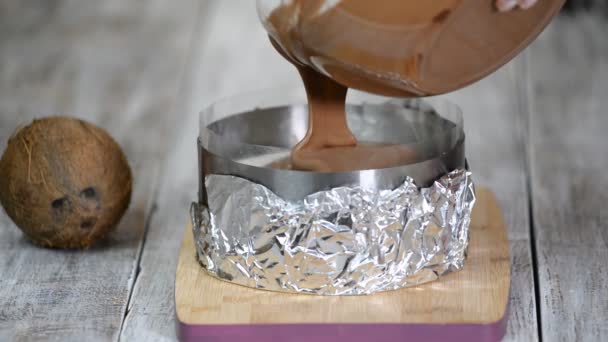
(345, 233)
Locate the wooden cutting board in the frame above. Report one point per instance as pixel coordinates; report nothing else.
(469, 305)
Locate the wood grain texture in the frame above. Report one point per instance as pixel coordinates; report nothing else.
(116, 64)
(568, 147)
(477, 294)
(216, 69)
(495, 123)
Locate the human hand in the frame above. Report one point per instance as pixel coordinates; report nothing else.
(507, 5)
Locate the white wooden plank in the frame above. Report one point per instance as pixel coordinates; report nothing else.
(568, 144)
(217, 69)
(117, 64)
(495, 125)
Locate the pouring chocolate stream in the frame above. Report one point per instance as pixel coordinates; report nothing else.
(390, 47)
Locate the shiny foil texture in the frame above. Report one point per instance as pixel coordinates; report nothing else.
(344, 241)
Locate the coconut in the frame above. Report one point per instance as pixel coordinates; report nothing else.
(64, 182)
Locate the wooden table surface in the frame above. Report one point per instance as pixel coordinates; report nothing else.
(536, 135)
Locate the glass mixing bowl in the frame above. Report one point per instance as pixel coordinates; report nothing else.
(402, 47)
(245, 134)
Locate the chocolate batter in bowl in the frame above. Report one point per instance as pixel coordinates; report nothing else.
(403, 47)
(252, 136)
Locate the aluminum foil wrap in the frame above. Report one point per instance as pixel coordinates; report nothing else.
(344, 241)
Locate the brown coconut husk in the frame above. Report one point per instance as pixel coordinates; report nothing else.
(64, 182)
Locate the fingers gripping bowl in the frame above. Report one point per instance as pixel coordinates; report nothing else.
(330, 233)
